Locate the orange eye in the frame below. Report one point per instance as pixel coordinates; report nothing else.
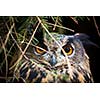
(68, 49)
(39, 50)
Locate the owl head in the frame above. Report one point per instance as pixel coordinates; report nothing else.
(52, 51)
(63, 54)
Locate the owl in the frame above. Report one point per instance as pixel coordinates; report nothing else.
(58, 58)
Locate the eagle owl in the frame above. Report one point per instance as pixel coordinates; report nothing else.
(58, 58)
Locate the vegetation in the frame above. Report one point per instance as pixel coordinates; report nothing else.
(18, 33)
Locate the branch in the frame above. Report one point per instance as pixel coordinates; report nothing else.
(23, 52)
(96, 26)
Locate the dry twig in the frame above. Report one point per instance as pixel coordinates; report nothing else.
(60, 26)
(96, 26)
(23, 52)
(55, 23)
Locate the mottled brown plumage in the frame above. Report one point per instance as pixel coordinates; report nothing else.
(58, 59)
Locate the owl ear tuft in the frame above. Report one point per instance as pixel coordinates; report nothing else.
(81, 36)
(85, 39)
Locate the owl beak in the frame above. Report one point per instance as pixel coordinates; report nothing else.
(53, 60)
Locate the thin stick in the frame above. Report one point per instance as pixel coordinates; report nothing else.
(74, 19)
(9, 34)
(26, 46)
(17, 45)
(55, 23)
(3, 46)
(96, 26)
(22, 51)
(10, 49)
(60, 27)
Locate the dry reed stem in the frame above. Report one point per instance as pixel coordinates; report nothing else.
(10, 30)
(17, 45)
(3, 46)
(60, 26)
(5, 53)
(21, 56)
(96, 26)
(10, 49)
(55, 23)
(74, 19)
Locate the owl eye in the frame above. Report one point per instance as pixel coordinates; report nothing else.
(40, 50)
(68, 49)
